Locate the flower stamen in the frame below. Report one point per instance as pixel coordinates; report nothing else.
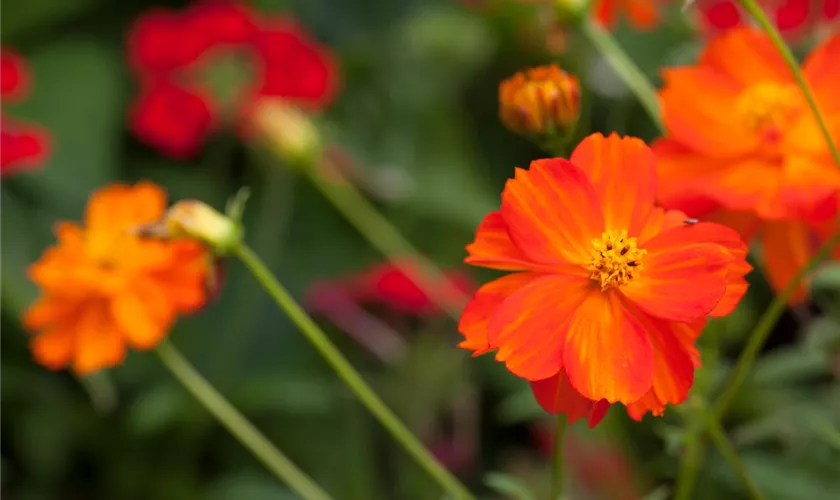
(616, 259)
(766, 108)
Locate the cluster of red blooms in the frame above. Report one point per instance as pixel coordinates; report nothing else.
(22, 146)
(211, 63)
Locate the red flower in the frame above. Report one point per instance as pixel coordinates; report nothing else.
(791, 17)
(390, 291)
(22, 146)
(608, 292)
(207, 64)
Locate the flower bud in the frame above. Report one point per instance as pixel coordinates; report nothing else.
(541, 102)
(195, 220)
(287, 130)
(571, 12)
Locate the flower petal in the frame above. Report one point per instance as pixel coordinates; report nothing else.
(786, 248)
(747, 56)
(822, 72)
(493, 247)
(529, 326)
(606, 354)
(809, 187)
(485, 302)
(661, 220)
(98, 342)
(557, 396)
(682, 277)
(623, 173)
(552, 212)
(697, 105)
(54, 348)
(144, 321)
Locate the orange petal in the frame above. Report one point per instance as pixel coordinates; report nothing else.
(647, 403)
(98, 342)
(54, 348)
(822, 72)
(485, 302)
(681, 279)
(117, 207)
(661, 220)
(746, 224)
(607, 11)
(607, 355)
(809, 188)
(785, 249)
(747, 56)
(552, 212)
(697, 104)
(493, 248)
(556, 395)
(623, 173)
(529, 327)
(138, 319)
(642, 13)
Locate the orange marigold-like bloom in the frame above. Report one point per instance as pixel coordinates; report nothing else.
(103, 287)
(643, 14)
(540, 102)
(610, 291)
(741, 138)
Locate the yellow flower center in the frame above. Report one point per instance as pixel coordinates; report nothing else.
(767, 107)
(616, 259)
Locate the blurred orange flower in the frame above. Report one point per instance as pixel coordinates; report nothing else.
(643, 14)
(104, 288)
(741, 138)
(610, 291)
(540, 102)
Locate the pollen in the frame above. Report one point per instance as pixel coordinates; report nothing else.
(766, 108)
(616, 259)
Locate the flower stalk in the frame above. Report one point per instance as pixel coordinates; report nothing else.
(243, 430)
(559, 464)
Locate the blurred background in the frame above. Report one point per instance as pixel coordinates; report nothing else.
(415, 125)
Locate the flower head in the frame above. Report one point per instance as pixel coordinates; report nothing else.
(642, 14)
(22, 146)
(743, 146)
(104, 288)
(541, 102)
(211, 63)
(609, 292)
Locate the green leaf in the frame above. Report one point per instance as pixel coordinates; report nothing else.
(509, 486)
(78, 96)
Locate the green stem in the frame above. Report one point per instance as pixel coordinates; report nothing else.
(690, 460)
(350, 376)
(238, 425)
(728, 452)
(386, 238)
(625, 68)
(558, 468)
(753, 8)
(765, 325)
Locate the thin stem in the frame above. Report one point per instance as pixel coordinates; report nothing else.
(625, 68)
(238, 425)
(765, 325)
(728, 452)
(690, 461)
(558, 468)
(350, 376)
(387, 239)
(753, 8)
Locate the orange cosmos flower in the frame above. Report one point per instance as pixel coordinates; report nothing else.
(609, 292)
(105, 288)
(643, 14)
(741, 138)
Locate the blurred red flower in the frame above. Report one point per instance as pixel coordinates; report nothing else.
(209, 63)
(22, 146)
(642, 14)
(791, 17)
(387, 290)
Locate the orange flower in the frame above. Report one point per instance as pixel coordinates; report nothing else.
(610, 292)
(643, 14)
(103, 287)
(741, 138)
(540, 102)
